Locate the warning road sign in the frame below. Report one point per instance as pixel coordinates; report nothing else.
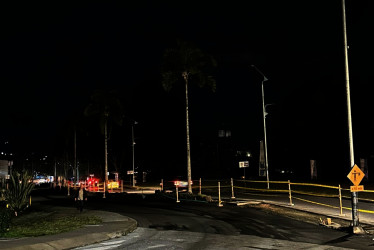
(357, 188)
(356, 175)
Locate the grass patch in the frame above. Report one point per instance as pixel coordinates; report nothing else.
(47, 224)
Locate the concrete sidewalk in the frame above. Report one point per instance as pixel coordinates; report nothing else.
(366, 219)
(113, 225)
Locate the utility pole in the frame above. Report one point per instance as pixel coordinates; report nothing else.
(106, 151)
(75, 155)
(185, 75)
(133, 154)
(264, 121)
(357, 229)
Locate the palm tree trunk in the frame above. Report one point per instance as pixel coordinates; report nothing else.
(185, 76)
(75, 155)
(106, 147)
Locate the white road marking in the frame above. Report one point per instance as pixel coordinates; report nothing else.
(112, 242)
(101, 248)
(155, 246)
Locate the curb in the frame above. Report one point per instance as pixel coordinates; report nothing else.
(84, 239)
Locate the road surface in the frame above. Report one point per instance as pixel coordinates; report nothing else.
(197, 225)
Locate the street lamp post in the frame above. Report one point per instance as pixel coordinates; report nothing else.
(264, 121)
(133, 153)
(355, 218)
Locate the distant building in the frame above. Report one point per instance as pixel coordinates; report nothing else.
(6, 161)
(3, 168)
(224, 133)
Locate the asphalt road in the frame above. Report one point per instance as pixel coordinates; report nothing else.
(197, 225)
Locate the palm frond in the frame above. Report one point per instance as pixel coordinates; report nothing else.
(186, 57)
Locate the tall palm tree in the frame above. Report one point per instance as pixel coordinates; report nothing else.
(107, 106)
(184, 64)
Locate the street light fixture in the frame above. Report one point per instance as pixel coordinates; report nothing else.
(264, 116)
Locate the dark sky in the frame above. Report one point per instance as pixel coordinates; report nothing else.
(53, 55)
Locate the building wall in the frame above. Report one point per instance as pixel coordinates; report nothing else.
(3, 168)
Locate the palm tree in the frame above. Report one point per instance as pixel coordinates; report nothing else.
(187, 63)
(107, 106)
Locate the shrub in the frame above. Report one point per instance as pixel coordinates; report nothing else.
(20, 187)
(5, 218)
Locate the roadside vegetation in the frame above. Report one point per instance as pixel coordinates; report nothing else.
(38, 223)
(19, 218)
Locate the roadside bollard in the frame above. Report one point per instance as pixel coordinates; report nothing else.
(104, 189)
(176, 191)
(162, 185)
(68, 190)
(219, 195)
(200, 186)
(340, 201)
(121, 186)
(232, 189)
(289, 192)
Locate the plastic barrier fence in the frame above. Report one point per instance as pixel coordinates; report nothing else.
(317, 194)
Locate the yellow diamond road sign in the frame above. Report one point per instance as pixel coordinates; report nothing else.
(356, 175)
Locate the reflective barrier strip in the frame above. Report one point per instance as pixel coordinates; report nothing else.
(206, 187)
(264, 190)
(326, 205)
(362, 199)
(317, 203)
(281, 182)
(212, 187)
(365, 211)
(367, 191)
(360, 210)
(314, 185)
(315, 194)
(273, 195)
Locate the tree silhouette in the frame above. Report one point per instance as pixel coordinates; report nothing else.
(184, 64)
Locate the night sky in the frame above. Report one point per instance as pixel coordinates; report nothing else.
(54, 55)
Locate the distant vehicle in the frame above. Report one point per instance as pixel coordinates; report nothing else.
(92, 181)
(182, 183)
(40, 179)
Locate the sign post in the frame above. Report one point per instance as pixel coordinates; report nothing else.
(356, 175)
(243, 164)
